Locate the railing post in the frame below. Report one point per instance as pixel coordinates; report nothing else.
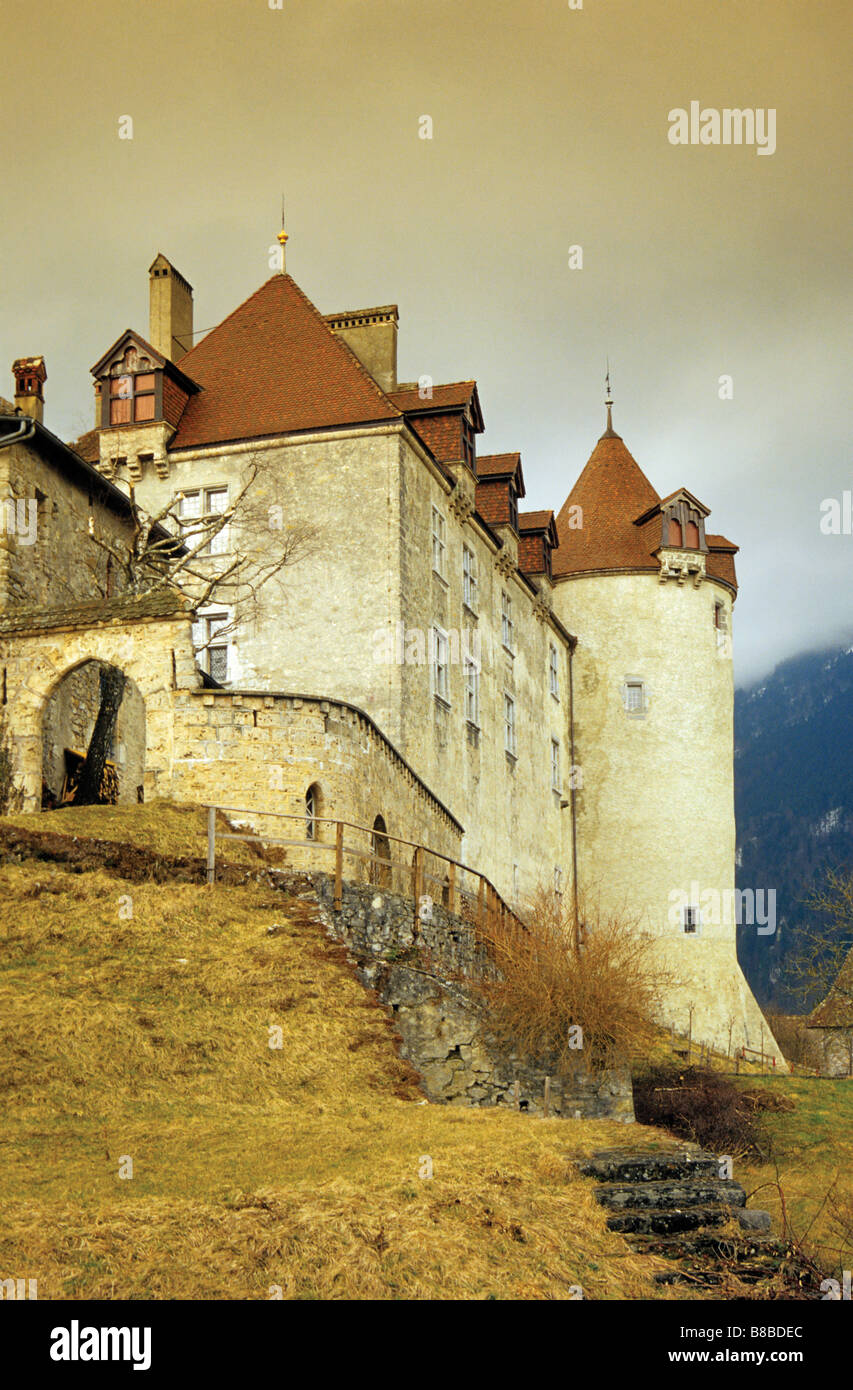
(211, 843)
(339, 865)
(451, 886)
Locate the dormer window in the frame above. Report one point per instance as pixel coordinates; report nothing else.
(133, 398)
(675, 537)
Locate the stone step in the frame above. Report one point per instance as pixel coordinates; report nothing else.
(712, 1244)
(617, 1165)
(667, 1222)
(668, 1195)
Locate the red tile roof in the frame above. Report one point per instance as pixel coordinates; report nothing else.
(612, 491)
(614, 494)
(274, 366)
(534, 521)
(452, 395)
(87, 446)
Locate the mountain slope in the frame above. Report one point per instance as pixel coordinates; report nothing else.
(793, 797)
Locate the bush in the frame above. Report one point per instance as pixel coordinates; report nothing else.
(544, 985)
(703, 1106)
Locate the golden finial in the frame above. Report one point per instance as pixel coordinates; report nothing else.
(282, 237)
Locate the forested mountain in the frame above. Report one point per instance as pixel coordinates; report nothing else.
(793, 798)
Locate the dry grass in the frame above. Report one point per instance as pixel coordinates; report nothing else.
(161, 827)
(545, 987)
(148, 1035)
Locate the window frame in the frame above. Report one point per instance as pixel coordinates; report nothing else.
(472, 692)
(507, 624)
(556, 768)
(440, 642)
(470, 580)
(510, 730)
(439, 543)
(554, 671)
(223, 537)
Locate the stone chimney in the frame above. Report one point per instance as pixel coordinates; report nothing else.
(372, 335)
(170, 310)
(30, 375)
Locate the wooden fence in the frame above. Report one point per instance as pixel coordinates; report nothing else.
(427, 876)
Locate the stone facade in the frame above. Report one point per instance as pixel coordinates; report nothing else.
(354, 621)
(264, 752)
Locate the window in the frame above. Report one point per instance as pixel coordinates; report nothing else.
(634, 694)
(720, 617)
(469, 579)
(553, 671)
(692, 921)
(675, 537)
(312, 810)
(132, 397)
(204, 505)
(468, 446)
(472, 692)
(439, 543)
(440, 665)
(507, 628)
(211, 643)
(555, 765)
(509, 725)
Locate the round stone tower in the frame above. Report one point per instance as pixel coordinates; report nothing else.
(649, 594)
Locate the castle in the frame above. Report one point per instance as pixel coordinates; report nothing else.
(547, 698)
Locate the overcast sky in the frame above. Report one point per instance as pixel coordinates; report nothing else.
(550, 130)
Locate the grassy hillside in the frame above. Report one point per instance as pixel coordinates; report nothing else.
(134, 1022)
(813, 1152)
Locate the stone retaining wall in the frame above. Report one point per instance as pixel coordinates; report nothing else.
(421, 979)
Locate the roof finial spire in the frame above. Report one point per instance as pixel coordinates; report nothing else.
(609, 401)
(282, 237)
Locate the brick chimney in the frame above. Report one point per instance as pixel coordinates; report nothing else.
(170, 310)
(30, 375)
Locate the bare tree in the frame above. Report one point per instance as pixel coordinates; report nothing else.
(820, 949)
(228, 557)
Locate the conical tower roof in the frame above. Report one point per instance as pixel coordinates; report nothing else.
(611, 492)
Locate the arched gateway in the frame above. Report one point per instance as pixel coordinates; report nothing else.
(148, 637)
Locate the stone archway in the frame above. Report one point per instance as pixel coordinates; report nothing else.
(148, 637)
(68, 718)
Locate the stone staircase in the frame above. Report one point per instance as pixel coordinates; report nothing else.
(675, 1204)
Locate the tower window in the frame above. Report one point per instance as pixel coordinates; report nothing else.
(634, 696)
(692, 921)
